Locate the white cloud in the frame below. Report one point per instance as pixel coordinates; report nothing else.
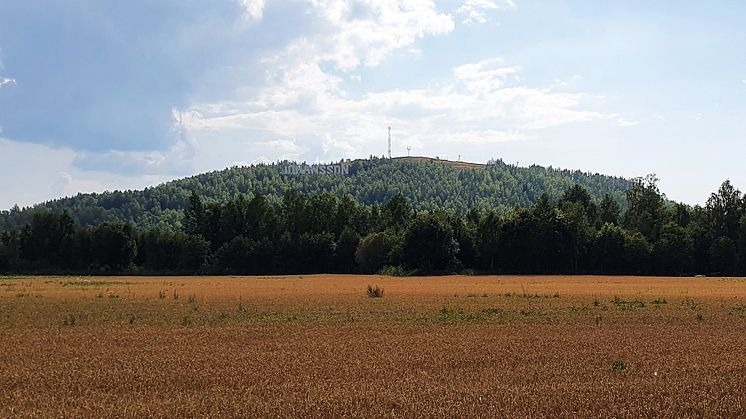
(253, 9)
(481, 137)
(177, 160)
(484, 76)
(366, 32)
(33, 173)
(341, 148)
(61, 186)
(285, 145)
(289, 148)
(475, 11)
(303, 110)
(477, 106)
(624, 123)
(7, 82)
(565, 83)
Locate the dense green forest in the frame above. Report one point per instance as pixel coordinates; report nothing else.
(427, 184)
(252, 234)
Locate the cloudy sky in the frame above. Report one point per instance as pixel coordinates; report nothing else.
(98, 95)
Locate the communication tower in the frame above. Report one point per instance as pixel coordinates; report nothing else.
(389, 142)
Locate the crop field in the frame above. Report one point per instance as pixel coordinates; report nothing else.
(321, 346)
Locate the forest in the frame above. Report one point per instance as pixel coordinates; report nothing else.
(321, 232)
(426, 184)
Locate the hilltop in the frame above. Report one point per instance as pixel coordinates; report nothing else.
(454, 164)
(427, 182)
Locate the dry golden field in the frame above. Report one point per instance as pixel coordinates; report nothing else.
(300, 346)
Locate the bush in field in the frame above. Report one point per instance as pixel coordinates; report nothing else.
(375, 292)
(618, 366)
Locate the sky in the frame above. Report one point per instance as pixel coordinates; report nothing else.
(103, 95)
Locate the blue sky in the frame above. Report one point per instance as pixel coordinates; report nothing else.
(117, 95)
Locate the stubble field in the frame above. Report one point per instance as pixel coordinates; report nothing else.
(300, 346)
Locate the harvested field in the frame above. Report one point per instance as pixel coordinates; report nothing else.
(319, 346)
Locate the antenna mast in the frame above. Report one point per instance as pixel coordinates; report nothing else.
(389, 142)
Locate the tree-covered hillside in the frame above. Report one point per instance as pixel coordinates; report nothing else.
(428, 184)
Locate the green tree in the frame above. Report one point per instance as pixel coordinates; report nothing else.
(373, 252)
(235, 256)
(488, 240)
(579, 239)
(645, 211)
(742, 245)
(726, 210)
(681, 214)
(317, 252)
(113, 245)
(194, 215)
(637, 252)
(347, 245)
(581, 197)
(723, 256)
(397, 212)
(429, 243)
(674, 250)
(609, 249)
(609, 210)
(47, 240)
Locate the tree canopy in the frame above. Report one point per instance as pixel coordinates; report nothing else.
(576, 233)
(422, 184)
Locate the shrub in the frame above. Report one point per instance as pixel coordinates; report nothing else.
(393, 271)
(375, 292)
(618, 366)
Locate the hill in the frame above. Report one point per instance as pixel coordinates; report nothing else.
(428, 183)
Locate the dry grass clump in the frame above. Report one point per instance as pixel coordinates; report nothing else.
(375, 292)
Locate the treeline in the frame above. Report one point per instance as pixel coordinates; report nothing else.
(574, 234)
(427, 185)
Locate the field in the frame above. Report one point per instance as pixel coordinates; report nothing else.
(315, 346)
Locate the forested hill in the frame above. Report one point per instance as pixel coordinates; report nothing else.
(427, 183)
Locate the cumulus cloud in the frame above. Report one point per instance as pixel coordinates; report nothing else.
(216, 83)
(624, 122)
(176, 161)
(33, 173)
(482, 137)
(283, 149)
(366, 32)
(484, 76)
(7, 82)
(254, 9)
(479, 105)
(304, 99)
(475, 11)
(61, 185)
